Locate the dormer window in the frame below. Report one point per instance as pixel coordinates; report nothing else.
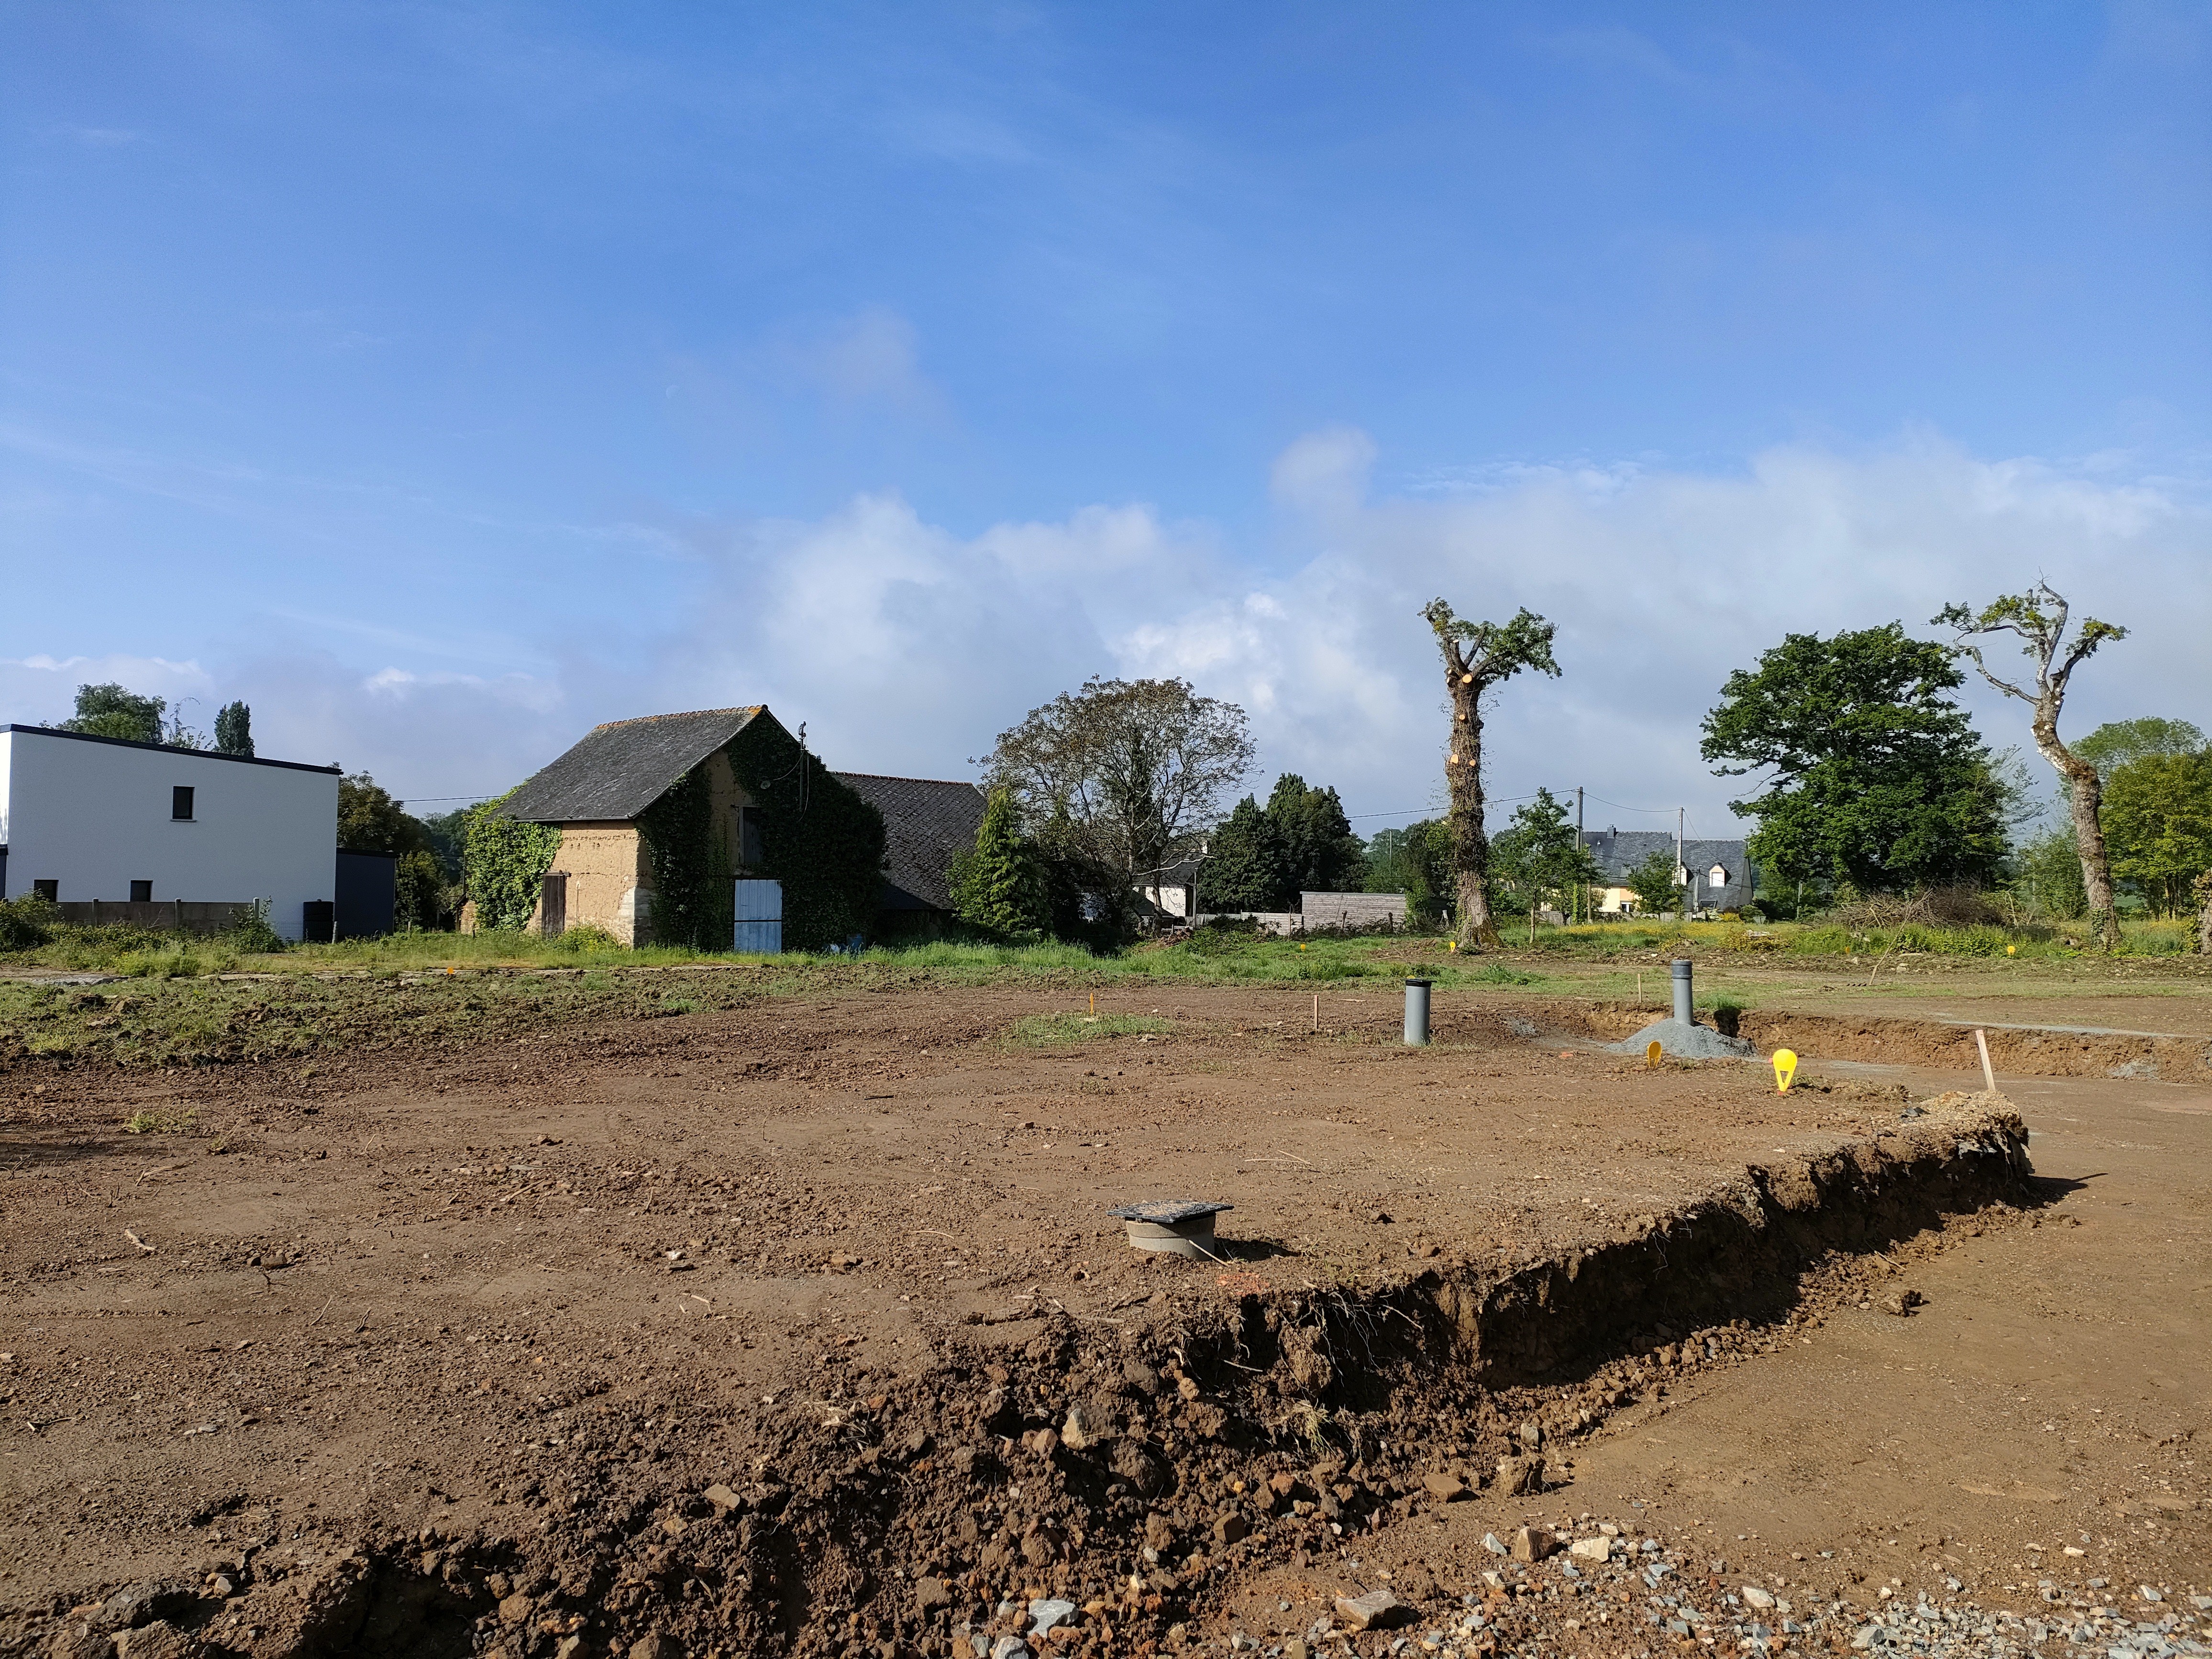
(1717, 876)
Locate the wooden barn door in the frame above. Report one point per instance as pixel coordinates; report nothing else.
(553, 905)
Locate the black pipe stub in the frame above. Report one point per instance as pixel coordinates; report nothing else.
(1172, 1226)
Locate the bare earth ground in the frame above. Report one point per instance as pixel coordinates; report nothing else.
(458, 1292)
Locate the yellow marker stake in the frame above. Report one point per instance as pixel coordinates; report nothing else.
(1651, 1054)
(1094, 1005)
(1785, 1068)
(1452, 945)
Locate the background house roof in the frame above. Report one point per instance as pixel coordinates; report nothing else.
(925, 821)
(620, 769)
(1619, 851)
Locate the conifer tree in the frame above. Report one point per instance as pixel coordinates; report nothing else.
(998, 884)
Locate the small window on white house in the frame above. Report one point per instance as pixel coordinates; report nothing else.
(1717, 875)
(142, 892)
(180, 804)
(49, 891)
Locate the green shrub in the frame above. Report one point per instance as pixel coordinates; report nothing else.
(27, 922)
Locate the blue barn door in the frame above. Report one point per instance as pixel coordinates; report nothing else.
(760, 917)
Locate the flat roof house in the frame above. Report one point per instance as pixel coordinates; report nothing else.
(85, 818)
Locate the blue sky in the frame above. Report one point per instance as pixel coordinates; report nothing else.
(446, 379)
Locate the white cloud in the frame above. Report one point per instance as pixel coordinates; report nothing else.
(1324, 471)
(872, 356)
(907, 647)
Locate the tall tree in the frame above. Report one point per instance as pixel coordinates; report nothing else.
(1478, 656)
(1416, 861)
(999, 883)
(1875, 776)
(2040, 619)
(2157, 826)
(1244, 865)
(111, 711)
(234, 729)
(1320, 852)
(1128, 771)
(1656, 882)
(2115, 743)
(1538, 856)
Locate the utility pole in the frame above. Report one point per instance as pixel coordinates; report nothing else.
(1582, 893)
(1681, 817)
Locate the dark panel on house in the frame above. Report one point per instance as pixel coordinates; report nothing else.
(926, 820)
(367, 891)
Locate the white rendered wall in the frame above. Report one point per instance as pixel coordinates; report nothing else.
(95, 817)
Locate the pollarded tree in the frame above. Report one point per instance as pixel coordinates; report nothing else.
(2039, 618)
(1876, 776)
(1478, 656)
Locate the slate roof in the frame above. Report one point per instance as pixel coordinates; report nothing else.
(1619, 851)
(925, 821)
(620, 769)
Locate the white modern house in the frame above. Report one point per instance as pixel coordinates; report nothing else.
(84, 817)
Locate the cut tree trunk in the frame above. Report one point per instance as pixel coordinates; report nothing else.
(1478, 929)
(2085, 794)
(2204, 891)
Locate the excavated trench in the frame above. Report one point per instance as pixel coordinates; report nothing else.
(1132, 1472)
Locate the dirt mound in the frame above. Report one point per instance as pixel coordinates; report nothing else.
(1135, 1466)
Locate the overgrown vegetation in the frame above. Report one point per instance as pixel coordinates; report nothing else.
(505, 860)
(819, 839)
(691, 859)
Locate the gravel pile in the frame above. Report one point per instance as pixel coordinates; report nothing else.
(1685, 1042)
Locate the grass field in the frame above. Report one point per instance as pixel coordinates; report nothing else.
(184, 1001)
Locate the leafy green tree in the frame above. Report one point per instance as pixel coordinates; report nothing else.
(1657, 892)
(2047, 873)
(1320, 852)
(1478, 656)
(999, 883)
(111, 711)
(1538, 857)
(424, 895)
(1130, 770)
(1416, 861)
(1245, 865)
(1876, 777)
(234, 729)
(2157, 826)
(2041, 619)
(2115, 743)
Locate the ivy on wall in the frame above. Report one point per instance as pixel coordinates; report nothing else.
(819, 839)
(504, 861)
(690, 862)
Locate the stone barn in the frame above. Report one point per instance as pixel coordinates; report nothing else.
(657, 819)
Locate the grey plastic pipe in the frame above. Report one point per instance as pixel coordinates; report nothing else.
(1417, 1013)
(1685, 1003)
